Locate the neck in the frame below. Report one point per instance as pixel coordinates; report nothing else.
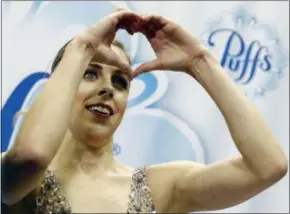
(78, 155)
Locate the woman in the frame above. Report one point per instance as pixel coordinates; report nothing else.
(62, 159)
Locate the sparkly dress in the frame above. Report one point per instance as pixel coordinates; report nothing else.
(51, 198)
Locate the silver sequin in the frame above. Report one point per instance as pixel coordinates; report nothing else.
(140, 198)
(52, 198)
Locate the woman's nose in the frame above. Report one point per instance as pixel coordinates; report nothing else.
(106, 93)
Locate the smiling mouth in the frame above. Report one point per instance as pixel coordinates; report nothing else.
(100, 109)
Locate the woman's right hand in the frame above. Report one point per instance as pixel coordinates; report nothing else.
(96, 40)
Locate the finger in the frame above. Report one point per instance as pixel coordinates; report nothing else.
(113, 22)
(123, 14)
(150, 24)
(119, 9)
(127, 25)
(129, 22)
(157, 19)
(113, 19)
(147, 67)
(148, 30)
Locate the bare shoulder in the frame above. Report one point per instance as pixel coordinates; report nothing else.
(125, 168)
(172, 169)
(175, 165)
(166, 175)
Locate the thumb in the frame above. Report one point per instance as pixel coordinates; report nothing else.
(147, 67)
(119, 9)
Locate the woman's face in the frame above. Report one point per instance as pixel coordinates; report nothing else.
(100, 101)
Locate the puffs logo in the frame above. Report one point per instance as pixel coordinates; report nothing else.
(248, 49)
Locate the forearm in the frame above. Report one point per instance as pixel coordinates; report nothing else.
(43, 129)
(46, 122)
(249, 131)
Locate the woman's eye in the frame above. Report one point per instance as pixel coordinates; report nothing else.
(90, 75)
(120, 81)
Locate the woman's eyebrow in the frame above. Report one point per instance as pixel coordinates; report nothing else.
(95, 65)
(99, 67)
(124, 73)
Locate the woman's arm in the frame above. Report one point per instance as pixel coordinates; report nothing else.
(43, 129)
(251, 135)
(45, 124)
(261, 164)
(192, 186)
(197, 187)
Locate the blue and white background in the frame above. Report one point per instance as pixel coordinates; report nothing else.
(169, 116)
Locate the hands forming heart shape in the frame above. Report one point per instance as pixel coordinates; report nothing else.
(140, 25)
(176, 49)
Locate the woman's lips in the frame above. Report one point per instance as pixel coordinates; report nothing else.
(100, 110)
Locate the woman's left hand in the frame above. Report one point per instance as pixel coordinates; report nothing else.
(175, 48)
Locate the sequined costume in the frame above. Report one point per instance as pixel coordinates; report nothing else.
(52, 199)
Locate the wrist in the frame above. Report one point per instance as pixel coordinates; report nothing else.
(202, 65)
(75, 59)
(79, 48)
(212, 77)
